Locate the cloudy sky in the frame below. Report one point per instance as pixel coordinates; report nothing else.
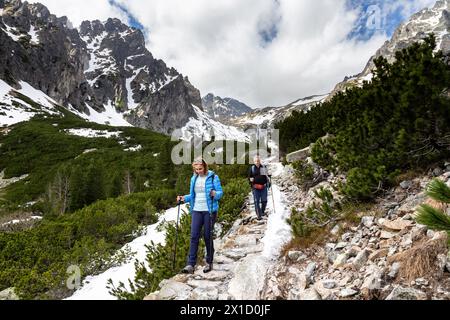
(262, 52)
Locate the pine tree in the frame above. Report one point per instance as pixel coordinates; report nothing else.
(57, 195)
(116, 185)
(165, 166)
(128, 183)
(77, 189)
(95, 183)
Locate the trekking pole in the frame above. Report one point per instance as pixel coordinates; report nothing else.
(210, 230)
(211, 242)
(176, 238)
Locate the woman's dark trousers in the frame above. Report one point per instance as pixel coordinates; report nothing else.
(201, 220)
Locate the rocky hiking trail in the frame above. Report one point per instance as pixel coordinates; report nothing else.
(242, 256)
(381, 254)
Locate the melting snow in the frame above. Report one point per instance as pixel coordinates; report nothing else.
(366, 78)
(34, 35)
(15, 34)
(131, 103)
(278, 231)
(310, 100)
(168, 80)
(11, 32)
(110, 116)
(36, 95)
(11, 114)
(136, 55)
(135, 148)
(94, 287)
(92, 133)
(261, 118)
(99, 59)
(15, 221)
(4, 88)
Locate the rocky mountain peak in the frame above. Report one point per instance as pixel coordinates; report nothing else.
(103, 70)
(91, 29)
(223, 109)
(115, 25)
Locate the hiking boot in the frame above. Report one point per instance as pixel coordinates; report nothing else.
(208, 268)
(188, 269)
(258, 218)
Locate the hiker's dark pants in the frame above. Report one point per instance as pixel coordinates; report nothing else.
(260, 201)
(201, 219)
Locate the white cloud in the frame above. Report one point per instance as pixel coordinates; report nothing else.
(218, 46)
(409, 7)
(79, 10)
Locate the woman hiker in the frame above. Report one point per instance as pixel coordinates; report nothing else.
(205, 193)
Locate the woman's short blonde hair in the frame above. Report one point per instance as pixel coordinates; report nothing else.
(202, 162)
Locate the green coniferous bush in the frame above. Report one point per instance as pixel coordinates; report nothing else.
(398, 121)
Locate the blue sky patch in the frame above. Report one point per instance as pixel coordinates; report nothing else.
(132, 21)
(376, 17)
(268, 35)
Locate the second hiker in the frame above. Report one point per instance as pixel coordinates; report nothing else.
(258, 177)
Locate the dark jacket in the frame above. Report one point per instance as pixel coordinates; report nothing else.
(259, 177)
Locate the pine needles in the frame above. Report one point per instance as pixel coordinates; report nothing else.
(432, 216)
(438, 190)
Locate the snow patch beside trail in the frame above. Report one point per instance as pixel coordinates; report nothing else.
(278, 231)
(94, 287)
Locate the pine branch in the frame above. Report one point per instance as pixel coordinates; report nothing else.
(438, 190)
(433, 218)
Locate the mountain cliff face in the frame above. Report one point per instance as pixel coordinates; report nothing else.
(223, 108)
(42, 50)
(429, 20)
(103, 67)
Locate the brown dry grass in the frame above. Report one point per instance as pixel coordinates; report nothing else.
(318, 237)
(409, 175)
(420, 260)
(437, 204)
(242, 230)
(229, 244)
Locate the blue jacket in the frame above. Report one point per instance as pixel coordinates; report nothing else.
(213, 204)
